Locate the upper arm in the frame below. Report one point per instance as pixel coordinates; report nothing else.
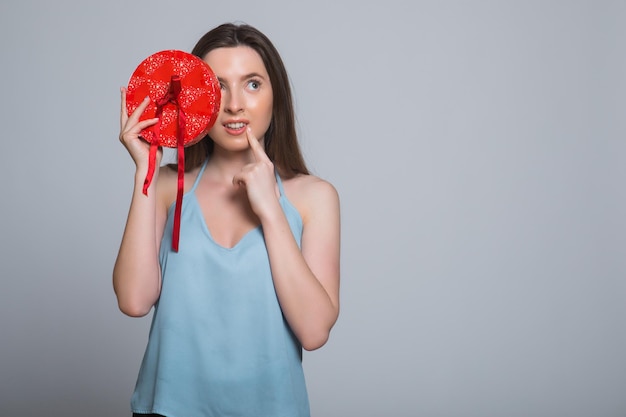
(321, 236)
(166, 194)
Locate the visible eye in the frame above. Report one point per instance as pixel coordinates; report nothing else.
(254, 84)
(222, 86)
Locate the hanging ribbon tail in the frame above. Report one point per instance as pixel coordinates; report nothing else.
(151, 166)
(181, 177)
(179, 197)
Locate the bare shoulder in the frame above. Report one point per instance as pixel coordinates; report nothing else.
(168, 181)
(309, 187)
(311, 195)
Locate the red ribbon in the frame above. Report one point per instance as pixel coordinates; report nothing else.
(170, 97)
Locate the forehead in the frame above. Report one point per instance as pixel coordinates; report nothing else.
(238, 60)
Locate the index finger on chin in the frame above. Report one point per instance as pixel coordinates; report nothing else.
(256, 147)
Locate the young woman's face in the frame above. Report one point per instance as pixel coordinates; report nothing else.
(247, 96)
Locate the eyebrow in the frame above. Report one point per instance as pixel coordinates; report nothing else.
(247, 76)
(252, 75)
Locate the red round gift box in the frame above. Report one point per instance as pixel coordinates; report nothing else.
(199, 97)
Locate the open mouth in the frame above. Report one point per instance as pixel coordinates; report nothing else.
(235, 126)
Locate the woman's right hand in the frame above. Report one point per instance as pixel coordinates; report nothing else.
(130, 130)
(137, 274)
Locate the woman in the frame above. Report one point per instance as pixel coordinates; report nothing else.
(256, 277)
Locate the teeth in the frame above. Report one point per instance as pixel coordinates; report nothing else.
(235, 125)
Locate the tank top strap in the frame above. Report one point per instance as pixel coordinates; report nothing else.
(195, 183)
(279, 181)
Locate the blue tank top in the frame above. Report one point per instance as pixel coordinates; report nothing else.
(219, 344)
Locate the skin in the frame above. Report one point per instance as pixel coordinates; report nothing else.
(237, 192)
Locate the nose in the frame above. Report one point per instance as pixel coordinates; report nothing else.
(233, 102)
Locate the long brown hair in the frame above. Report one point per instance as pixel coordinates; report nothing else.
(281, 142)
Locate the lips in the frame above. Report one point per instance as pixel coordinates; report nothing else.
(235, 127)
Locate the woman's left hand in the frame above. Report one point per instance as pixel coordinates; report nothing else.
(258, 179)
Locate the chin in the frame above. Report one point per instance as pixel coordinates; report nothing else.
(233, 145)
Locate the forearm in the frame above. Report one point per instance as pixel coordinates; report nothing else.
(305, 302)
(136, 275)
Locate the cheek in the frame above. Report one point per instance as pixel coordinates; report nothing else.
(269, 111)
(261, 103)
(264, 111)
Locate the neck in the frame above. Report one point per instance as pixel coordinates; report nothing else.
(225, 164)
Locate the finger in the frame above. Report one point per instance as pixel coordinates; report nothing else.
(138, 128)
(255, 145)
(239, 180)
(146, 123)
(136, 114)
(123, 113)
(140, 108)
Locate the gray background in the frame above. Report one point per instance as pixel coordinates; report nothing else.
(479, 151)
